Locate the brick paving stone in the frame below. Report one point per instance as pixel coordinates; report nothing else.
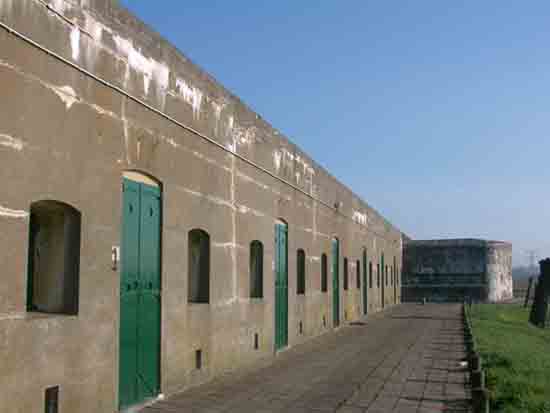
(404, 360)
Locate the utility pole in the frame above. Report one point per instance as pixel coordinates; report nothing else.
(531, 257)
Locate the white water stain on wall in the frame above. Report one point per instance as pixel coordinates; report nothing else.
(12, 213)
(6, 6)
(277, 158)
(218, 108)
(190, 94)
(59, 6)
(360, 218)
(149, 67)
(11, 142)
(66, 94)
(75, 42)
(244, 136)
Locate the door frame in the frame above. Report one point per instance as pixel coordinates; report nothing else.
(383, 280)
(276, 345)
(365, 283)
(336, 302)
(140, 177)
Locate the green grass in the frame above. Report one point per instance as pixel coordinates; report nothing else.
(516, 356)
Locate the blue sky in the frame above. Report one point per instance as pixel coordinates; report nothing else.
(436, 113)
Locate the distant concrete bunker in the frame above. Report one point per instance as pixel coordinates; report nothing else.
(457, 269)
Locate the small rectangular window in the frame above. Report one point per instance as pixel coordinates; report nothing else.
(52, 400)
(358, 274)
(198, 359)
(54, 258)
(256, 269)
(256, 341)
(346, 274)
(301, 272)
(324, 273)
(198, 266)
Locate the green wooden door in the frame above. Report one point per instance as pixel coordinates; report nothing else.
(335, 282)
(365, 286)
(139, 359)
(395, 278)
(281, 286)
(383, 274)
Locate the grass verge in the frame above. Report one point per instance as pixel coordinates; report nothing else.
(516, 356)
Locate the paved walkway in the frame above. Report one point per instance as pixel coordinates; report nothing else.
(404, 360)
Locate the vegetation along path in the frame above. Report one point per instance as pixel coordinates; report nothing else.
(407, 359)
(516, 356)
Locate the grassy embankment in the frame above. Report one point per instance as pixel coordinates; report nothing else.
(516, 356)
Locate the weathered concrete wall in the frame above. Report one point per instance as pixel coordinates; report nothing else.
(66, 136)
(499, 271)
(452, 270)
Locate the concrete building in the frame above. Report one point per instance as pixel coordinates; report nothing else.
(156, 232)
(457, 269)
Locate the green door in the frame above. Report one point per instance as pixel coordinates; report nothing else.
(139, 369)
(394, 269)
(335, 282)
(382, 267)
(281, 286)
(365, 286)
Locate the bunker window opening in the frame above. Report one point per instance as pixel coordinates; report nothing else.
(53, 258)
(346, 274)
(358, 274)
(370, 274)
(324, 273)
(199, 266)
(301, 272)
(256, 269)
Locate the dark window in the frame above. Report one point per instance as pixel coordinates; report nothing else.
(386, 273)
(54, 258)
(52, 400)
(256, 269)
(370, 274)
(391, 275)
(378, 275)
(346, 274)
(324, 275)
(199, 266)
(301, 272)
(358, 273)
(198, 359)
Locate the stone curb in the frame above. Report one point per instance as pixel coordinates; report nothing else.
(480, 395)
